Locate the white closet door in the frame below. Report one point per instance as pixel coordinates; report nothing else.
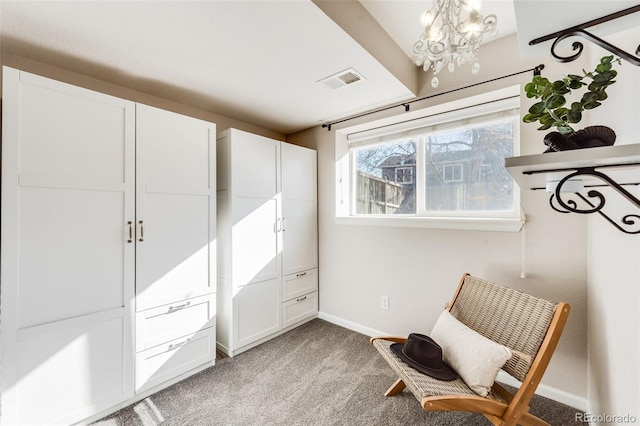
(67, 268)
(255, 204)
(175, 220)
(255, 165)
(299, 209)
(254, 234)
(257, 312)
(299, 236)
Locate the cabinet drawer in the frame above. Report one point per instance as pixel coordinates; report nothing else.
(299, 308)
(164, 362)
(168, 322)
(296, 285)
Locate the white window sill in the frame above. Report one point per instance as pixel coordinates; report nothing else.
(459, 223)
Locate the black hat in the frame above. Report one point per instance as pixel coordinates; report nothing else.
(425, 355)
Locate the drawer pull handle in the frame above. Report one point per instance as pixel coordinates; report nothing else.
(301, 274)
(177, 345)
(300, 299)
(178, 307)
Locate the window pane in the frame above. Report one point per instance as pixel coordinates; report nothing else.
(385, 178)
(464, 168)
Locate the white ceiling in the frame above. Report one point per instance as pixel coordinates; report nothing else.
(257, 61)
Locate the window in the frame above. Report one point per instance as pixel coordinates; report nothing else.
(447, 167)
(384, 178)
(464, 168)
(404, 174)
(452, 172)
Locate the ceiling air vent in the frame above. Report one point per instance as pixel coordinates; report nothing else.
(342, 79)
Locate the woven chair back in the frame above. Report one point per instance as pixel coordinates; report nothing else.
(506, 316)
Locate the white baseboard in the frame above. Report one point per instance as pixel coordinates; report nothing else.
(367, 331)
(563, 397)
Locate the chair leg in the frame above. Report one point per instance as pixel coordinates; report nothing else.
(395, 388)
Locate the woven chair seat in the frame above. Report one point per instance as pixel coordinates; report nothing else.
(422, 385)
(529, 326)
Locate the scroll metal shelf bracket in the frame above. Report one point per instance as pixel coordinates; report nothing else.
(595, 200)
(579, 30)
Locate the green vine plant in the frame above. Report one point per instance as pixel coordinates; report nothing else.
(551, 110)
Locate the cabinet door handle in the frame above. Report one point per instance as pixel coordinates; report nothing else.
(177, 345)
(301, 274)
(300, 299)
(174, 308)
(284, 224)
(130, 240)
(141, 231)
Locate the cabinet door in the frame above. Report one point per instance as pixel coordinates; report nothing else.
(255, 165)
(254, 236)
(175, 219)
(257, 311)
(299, 209)
(67, 266)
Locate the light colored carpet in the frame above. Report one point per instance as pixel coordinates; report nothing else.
(317, 374)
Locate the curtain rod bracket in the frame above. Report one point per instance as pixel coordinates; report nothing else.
(536, 70)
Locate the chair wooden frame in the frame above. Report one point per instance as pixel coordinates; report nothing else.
(501, 407)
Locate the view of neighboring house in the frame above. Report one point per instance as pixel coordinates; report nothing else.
(464, 174)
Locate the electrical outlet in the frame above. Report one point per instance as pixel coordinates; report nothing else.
(384, 302)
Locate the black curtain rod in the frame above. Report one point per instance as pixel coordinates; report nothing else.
(406, 105)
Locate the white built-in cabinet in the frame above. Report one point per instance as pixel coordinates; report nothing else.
(267, 239)
(175, 245)
(108, 250)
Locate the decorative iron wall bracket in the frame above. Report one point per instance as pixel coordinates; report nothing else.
(579, 30)
(595, 200)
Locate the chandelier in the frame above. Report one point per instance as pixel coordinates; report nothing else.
(452, 36)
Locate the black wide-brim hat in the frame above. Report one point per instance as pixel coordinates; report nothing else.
(425, 355)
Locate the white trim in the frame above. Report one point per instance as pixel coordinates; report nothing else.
(350, 325)
(558, 395)
(456, 113)
(458, 223)
(574, 401)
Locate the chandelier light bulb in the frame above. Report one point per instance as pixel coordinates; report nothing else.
(427, 19)
(453, 31)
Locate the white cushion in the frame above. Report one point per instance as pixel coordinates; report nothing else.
(476, 359)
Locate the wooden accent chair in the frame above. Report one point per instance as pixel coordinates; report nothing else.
(529, 326)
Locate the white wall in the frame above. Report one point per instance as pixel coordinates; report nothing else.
(418, 269)
(614, 264)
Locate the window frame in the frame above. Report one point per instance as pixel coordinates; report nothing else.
(510, 221)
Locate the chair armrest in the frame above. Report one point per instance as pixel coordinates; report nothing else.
(390, 338)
